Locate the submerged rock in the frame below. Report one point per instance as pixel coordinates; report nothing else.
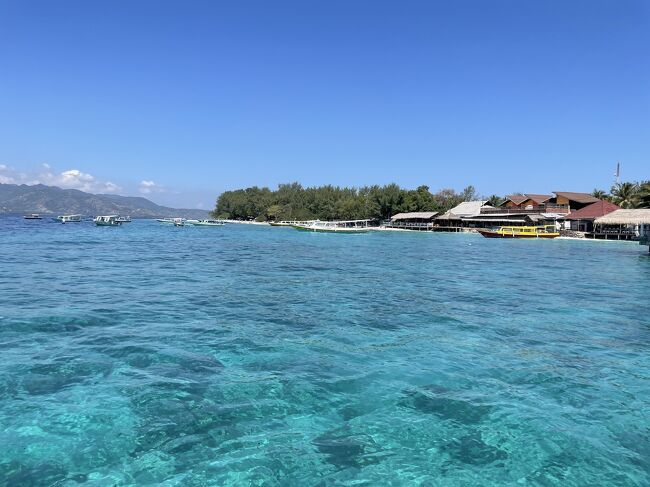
(344, 450)
(440, 401)
(471, 449)
(19, 474)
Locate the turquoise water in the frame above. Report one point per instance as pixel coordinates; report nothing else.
(154, 355)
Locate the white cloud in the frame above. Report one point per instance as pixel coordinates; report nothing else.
(148, 187)
(70, 179)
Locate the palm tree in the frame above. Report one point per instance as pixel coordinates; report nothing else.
(495, 200)
(643, 195)
(624, 194)
(601, 194)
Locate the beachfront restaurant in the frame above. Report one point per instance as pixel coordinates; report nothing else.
(623, 225)
(417, 220)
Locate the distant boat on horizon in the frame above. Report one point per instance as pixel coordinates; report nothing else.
(33, 216)
(67, 219)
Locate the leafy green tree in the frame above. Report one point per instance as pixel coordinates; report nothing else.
(294, 202)
(469, 194)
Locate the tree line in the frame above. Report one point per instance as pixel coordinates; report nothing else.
(294, 202)
(627, 194)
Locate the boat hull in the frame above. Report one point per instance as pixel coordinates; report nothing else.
(496, 234)
(331, 230)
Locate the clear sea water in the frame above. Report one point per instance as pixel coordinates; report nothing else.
(241, 355)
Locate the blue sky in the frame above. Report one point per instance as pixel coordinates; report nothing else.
(182, 100)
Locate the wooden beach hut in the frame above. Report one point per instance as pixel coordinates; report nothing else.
(415, 220)
(623, 225)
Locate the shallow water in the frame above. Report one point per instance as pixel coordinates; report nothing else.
(241, 355)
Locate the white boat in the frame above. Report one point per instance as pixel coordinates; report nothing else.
(343, 226)
(291, 223)
(33, 216)
(68, 219)
(206, 223)
(107, 221)
(171, 221)
(124, 219)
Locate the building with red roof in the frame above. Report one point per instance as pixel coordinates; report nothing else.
(582, 220)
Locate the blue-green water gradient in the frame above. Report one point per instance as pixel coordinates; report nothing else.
(243, 355)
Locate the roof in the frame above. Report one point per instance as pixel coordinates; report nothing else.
(625, 217)
(538, 198)
(593, 211)
(517, 199)
(494, 220)
(577, 197)
(422, 215)
(468, 208)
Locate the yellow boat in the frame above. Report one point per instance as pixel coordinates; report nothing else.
(547, 231)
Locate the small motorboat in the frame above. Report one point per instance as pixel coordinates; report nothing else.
(547, 231)
(171, 221)
(124, 219)
(67, 219)
(107, 221)
(33, 216)
(206, 223)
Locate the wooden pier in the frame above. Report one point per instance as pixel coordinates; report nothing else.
(645, 240)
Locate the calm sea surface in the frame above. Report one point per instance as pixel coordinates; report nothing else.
(240, 355)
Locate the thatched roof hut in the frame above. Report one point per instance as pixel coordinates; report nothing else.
(415, 215)
(625, 217)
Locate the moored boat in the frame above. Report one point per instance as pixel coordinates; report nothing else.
(124, 219)
(107, 221)
(547, 231)
(348, 226)
(33, 216)
(68, 219)
(171, 221)
(206, 223)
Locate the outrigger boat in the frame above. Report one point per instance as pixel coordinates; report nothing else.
(124, 219)
(206, 223)
(68, 219)
(107, 221)
(547, 231)
(349, 226)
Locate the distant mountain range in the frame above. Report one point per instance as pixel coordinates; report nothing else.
(53, 200)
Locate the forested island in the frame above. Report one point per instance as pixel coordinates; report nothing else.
(294, 202)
